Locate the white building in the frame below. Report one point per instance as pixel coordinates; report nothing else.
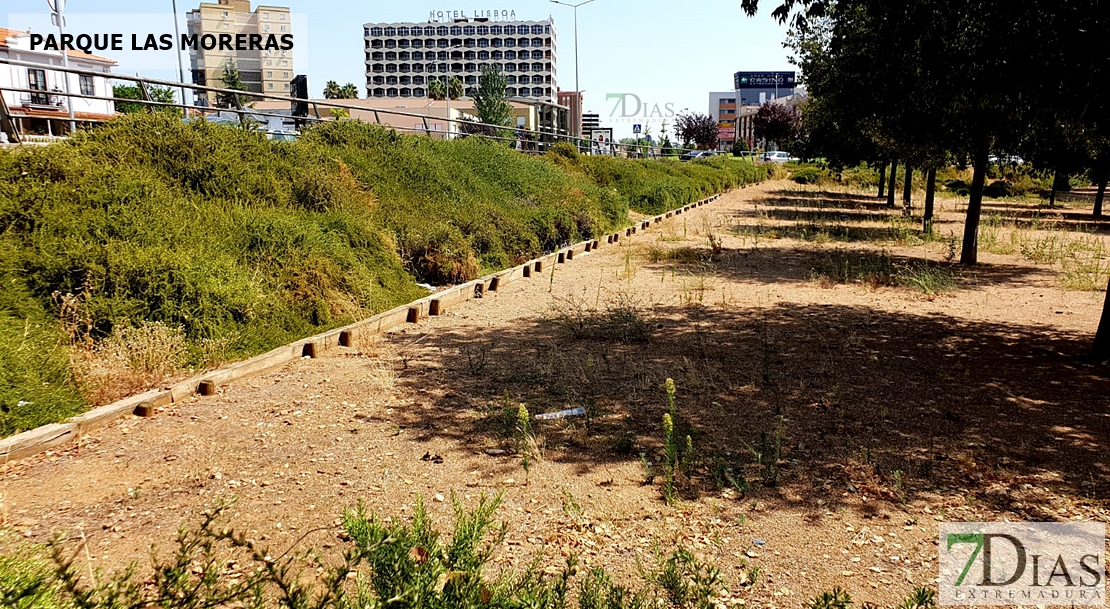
(401, 58)
(40, 110)
(260, 71)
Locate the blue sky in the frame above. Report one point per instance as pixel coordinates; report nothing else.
(660, 50)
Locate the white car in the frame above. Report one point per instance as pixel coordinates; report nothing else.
(779, 156)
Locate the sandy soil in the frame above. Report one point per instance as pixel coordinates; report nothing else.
(976, 397)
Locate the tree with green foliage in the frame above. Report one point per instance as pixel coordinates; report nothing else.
(348, 91)
(490, 102)
(331, 90)
(455, 87)
(158, 94)
(437, 90)
(231, 80)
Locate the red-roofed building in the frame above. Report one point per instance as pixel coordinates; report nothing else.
(36, 107)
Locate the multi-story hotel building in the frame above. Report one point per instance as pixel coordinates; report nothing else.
(261, 71)
(401, 58)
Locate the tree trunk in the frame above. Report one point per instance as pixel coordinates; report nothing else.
(970, 253)
(882, 180)
(893, 179)
(1099, 196)
(1052, 193)
(1100, 351)
(930, 191)
(907, 190)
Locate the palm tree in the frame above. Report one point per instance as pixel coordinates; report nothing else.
(455, 87)
(348, 91)
(331, 90)
(437, 90)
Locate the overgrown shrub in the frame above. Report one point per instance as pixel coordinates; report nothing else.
(386, 563)
(248, 243)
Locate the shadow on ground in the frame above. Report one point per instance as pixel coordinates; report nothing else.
(993, 413)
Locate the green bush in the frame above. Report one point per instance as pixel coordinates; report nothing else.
(255, 243)
(384, 564)
(808, 174)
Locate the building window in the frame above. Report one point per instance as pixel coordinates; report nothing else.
(391, 56)
(483, 30)
(269, 62)
(470, 55)
(265, 27)
(391, 92)
(537, 29)
(417, 80)
(524, 42)
(87, 85)
(285, 74)
(378, 80)
(225, 14)
(404, 56)
(469, 30)
(36, 80)
(456, 30)
(269, 85)
(390, 44)
(286, 86)
(375, 31)
(443, 30)
(283, 28)
(404, 44)
(365, 31)
(483, 43)
(510, 80)
(510, 67)
(417, 44)
(402, 31)
(495, 30)
(390, 31)
(406, 92)
(281, 16)
(376, 44)
(537, 42)
(379, 92)
(265, 15)
(524, 80)
(537, 92)
(483, 55)
(510, 42)
(510, 30)
(390, 80)
(376, 57)
(537, 67)
(537, 54)
(442, 43)
(418, 92)
(225, 26)
(497, 42)
(510, 54)
(269, 74)
(417, 67)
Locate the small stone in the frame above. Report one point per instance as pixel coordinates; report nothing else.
(439, 497)
(495, 452)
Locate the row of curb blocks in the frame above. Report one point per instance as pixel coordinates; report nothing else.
(146, 404)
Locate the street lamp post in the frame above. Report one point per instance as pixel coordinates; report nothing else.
(575, 7)
(57, 8)
(180, 65)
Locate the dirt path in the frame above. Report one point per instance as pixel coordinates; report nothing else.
(974, 397)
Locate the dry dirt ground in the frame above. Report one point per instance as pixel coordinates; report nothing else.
(890, 410)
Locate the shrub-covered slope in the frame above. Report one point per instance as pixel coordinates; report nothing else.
(239, 244)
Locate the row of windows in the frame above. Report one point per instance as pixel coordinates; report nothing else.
(470, 80)
(456, 67)
(466, 30)
(444, 55)
(469, 43)
(419, 92)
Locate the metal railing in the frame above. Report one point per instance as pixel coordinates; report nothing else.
(528, 140)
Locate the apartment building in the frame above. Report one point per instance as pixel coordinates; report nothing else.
(261, 71)
(401, 58)
(39, 109)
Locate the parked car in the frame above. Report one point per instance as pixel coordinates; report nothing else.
(1012, 159)
(779, 156)
(697, 154)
